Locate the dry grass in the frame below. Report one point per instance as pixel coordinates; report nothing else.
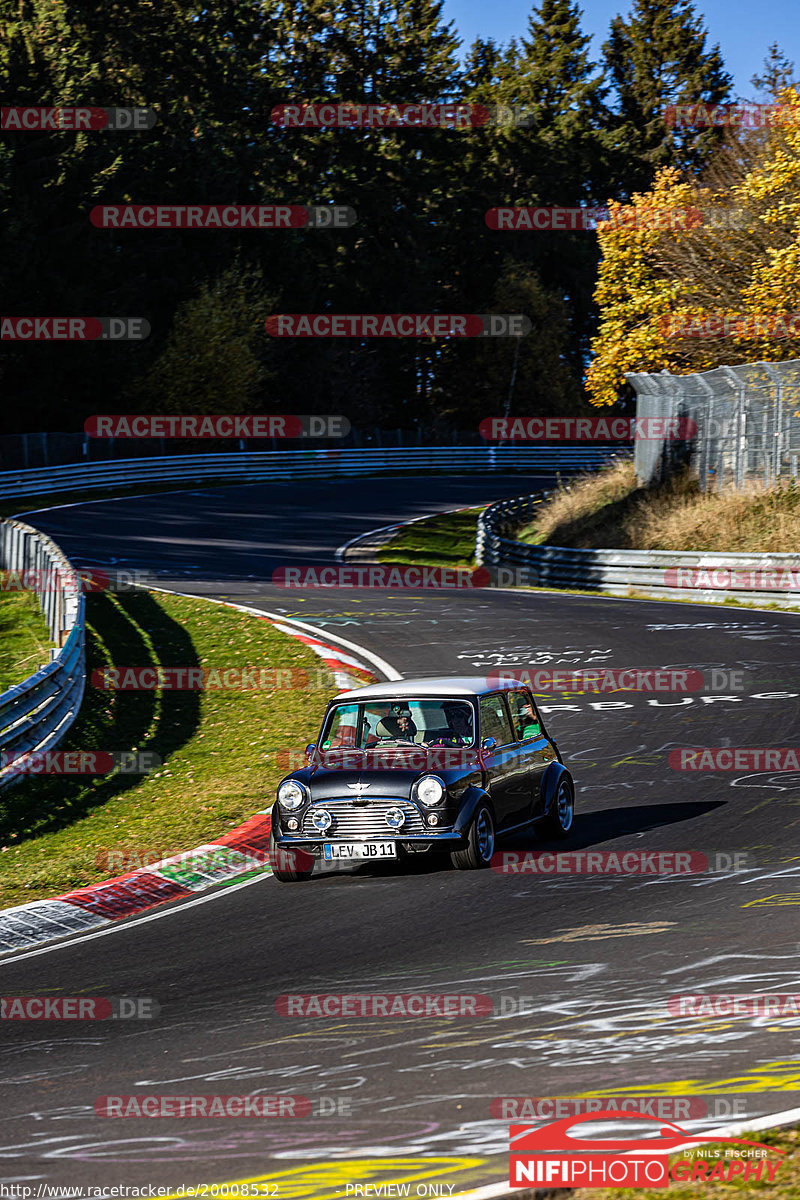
(608, 511)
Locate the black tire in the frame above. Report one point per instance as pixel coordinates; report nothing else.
(559, 821)
(289, 866)
(477, 854)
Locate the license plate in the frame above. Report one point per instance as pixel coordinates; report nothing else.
(338, 850)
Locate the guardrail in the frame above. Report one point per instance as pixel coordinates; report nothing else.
(35, 714)
(666, 574)
(288, 464)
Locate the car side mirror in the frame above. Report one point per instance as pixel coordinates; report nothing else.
(311, 750)
(489, 744)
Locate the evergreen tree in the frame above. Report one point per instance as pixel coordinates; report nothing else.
(560, 86)
(484, 68)
(778, 72)
(557, 154)
(656, 57)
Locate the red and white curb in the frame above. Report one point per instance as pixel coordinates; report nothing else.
(237, 853)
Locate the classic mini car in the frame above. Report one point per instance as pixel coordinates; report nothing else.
(421, 765)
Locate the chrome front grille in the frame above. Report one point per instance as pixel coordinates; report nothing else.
(363, 822)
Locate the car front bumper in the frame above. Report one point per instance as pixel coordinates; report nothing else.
(448, 839)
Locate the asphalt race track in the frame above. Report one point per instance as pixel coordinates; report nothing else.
(580, 968)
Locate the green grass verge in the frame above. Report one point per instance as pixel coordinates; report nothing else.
(24, 638)
(785, 1185)
(218, 748)
(447, 540)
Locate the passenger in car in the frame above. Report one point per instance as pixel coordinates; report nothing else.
(397, 725)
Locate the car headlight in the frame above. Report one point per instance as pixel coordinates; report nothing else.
(291, 795)
(430, 789)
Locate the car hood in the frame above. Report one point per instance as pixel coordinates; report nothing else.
(335, 782)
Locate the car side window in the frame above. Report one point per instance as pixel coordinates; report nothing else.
(494, 720)
(524, 715)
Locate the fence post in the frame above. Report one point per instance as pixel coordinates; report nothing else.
(705, 440)
(777, 423)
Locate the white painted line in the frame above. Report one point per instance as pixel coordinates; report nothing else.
(121, 925)
(302, 626)
(383, 666)
(109, 500)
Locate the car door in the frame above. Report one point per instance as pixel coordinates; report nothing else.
(508, 780)
(536, 749)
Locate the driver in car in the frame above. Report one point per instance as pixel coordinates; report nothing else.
(459, 725)
(397, 724)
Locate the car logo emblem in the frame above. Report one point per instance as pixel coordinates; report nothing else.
(358, 788)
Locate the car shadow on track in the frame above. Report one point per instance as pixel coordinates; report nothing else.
(594, 828)
(590, 830)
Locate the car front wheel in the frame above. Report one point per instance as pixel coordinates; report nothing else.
(289, 866)
(480, 842)
(559, 820)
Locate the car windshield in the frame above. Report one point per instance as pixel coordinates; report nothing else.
(397, 723)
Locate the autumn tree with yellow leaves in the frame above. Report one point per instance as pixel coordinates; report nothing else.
(726, 243)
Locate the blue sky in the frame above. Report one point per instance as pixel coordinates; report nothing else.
(743, 31)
